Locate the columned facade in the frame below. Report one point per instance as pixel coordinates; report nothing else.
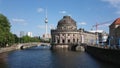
(67, 34)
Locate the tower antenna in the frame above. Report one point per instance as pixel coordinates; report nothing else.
(46, 21)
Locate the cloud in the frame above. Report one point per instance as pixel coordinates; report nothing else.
(118, 12)
(50, 26)
(82, 23)
(19, 21)
(70, 15)
(41, 26)
(115, 4)
(107, 24)
(63, 12)
(39, 10)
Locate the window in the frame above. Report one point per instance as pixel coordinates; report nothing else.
(58, 41)
(77, 40)
(63, 41)
(73, 34)
(73, 40)
(68, 40)
(63, 34)
(68, 34)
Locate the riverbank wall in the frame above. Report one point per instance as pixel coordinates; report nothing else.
(17, 47)
(108, 55)
(7, 49)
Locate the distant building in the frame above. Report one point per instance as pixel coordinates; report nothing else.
(46, 36)
(67, 34)
(114, 30)
(102, 36)
(29, 34)
(22, 33)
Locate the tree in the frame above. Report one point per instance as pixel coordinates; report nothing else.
(16, 38)
(25, 39)
(6, 37)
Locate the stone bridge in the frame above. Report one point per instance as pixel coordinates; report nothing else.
(28, 45)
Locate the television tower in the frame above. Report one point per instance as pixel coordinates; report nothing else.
(46, 21)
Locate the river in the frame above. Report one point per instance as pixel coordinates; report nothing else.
(43, 57)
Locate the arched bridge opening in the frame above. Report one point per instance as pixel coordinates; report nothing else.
(77, 47)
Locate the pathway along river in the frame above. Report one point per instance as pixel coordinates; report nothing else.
(42, 57)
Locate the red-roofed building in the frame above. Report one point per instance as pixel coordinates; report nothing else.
(115, 24)
(114, 31)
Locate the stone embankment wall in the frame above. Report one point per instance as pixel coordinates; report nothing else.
(17, 47)
(6, 49)
(108, 55)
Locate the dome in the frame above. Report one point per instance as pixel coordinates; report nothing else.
(67, 23)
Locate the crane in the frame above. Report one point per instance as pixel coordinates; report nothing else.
(99, 24)
(96, 27)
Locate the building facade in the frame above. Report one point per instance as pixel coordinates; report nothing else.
(67, 34)
(22, 33)
(114, 30)
(102, 37)
(29, 34)
(46, 37)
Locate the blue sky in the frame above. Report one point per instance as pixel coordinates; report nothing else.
(29, 15)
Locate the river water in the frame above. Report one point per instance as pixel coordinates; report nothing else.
(43, 57)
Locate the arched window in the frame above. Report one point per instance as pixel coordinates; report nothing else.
(68, 40)
(77, 40)
(73, 40)
(63, 41)
(58, 41)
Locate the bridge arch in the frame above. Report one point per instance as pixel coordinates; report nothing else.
(77, 47)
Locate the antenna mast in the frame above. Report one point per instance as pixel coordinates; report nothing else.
(46, 21)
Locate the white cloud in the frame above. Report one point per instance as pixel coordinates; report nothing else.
(118, 12)
(115, 4)
(82, 23)
(63, 12)
(41, 26)
(70, 15)
(107, 24)
(50, 26)
(19, 21)
(39, 10)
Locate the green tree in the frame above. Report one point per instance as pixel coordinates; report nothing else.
(6, 37)
(17, 40)
(25, 39)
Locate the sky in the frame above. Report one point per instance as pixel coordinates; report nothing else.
(29, 15)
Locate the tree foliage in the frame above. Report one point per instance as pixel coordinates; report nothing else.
(27, 39)
(6, 37)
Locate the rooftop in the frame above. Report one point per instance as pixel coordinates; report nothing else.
(117, 21)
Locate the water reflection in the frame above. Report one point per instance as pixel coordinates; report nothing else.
(3, 60)
(42, 57)
(70, 59)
